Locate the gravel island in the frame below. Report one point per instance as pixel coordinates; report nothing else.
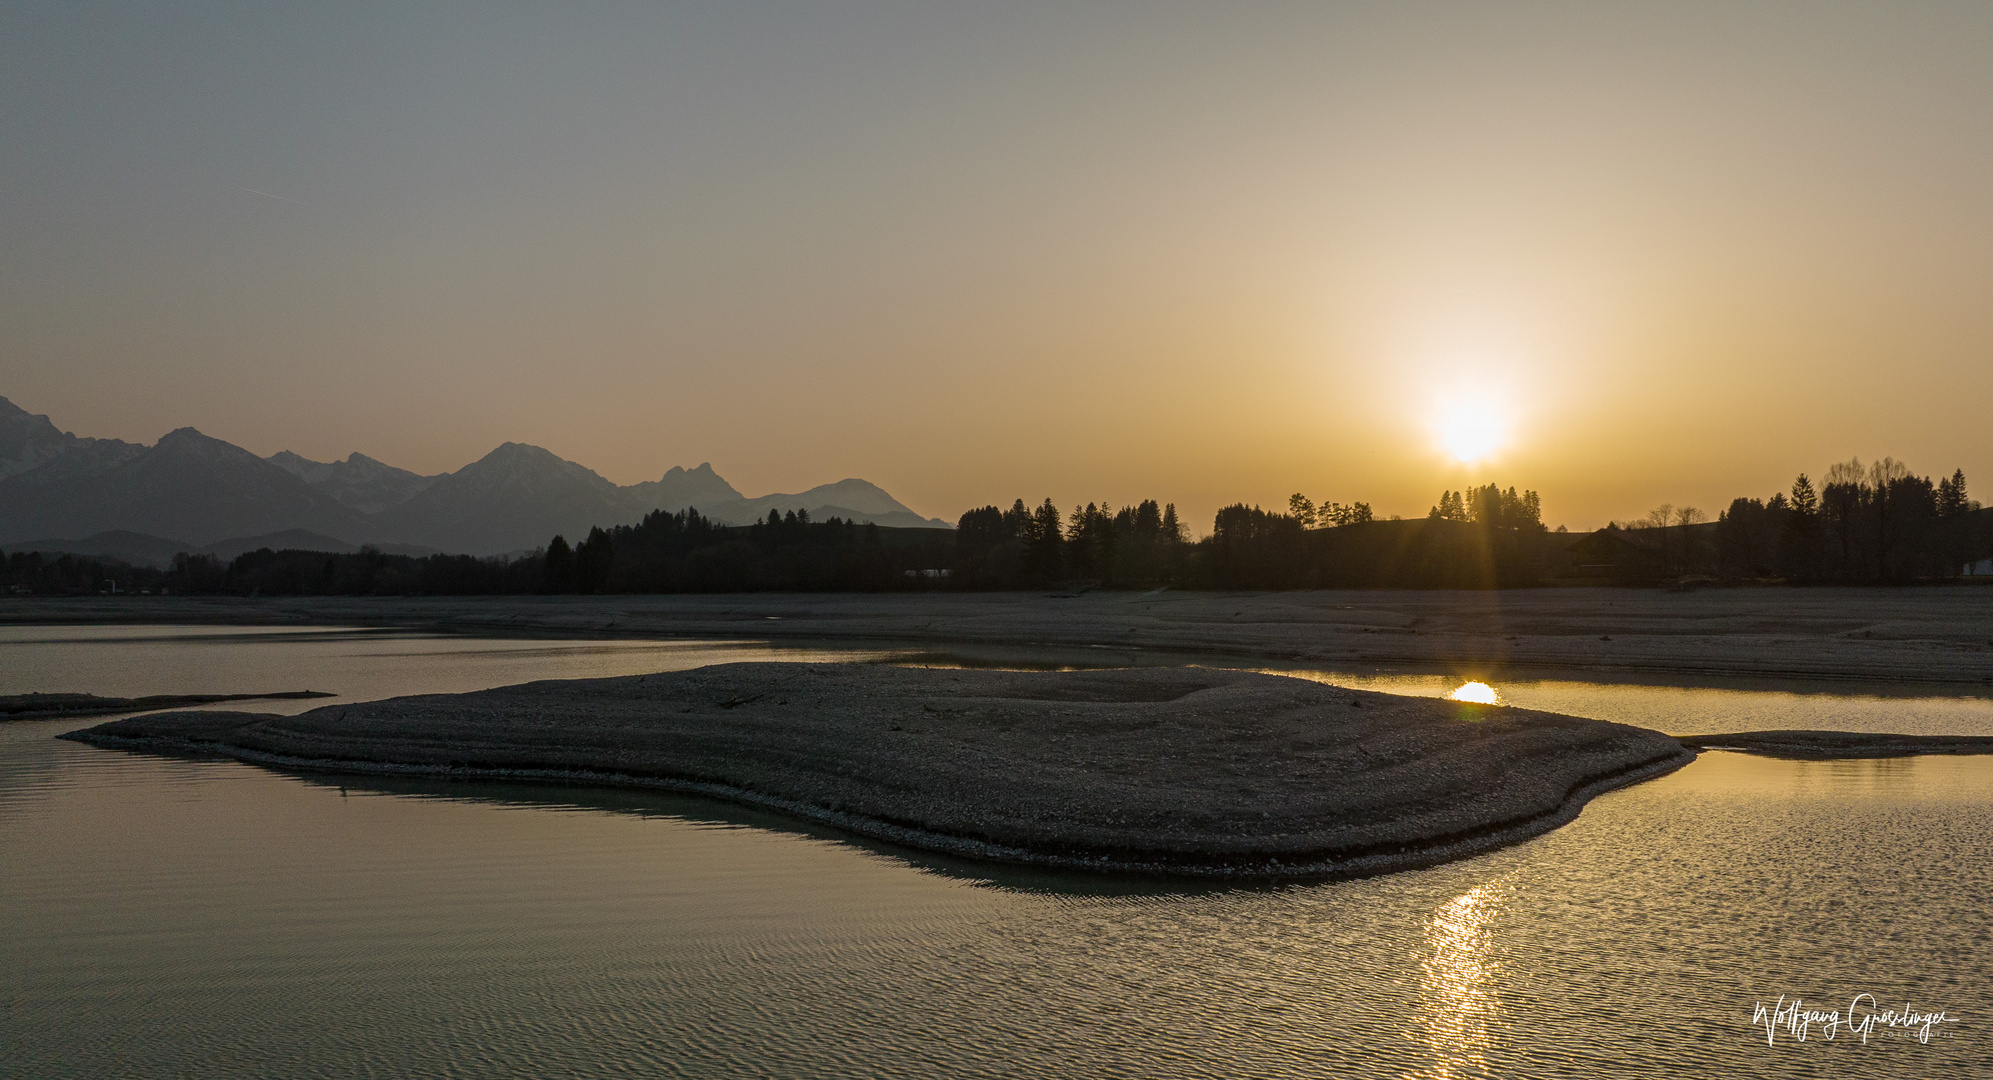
(1181, 771)
(1831, 745)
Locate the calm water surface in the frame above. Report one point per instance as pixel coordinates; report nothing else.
(164, 917)
(357, 664)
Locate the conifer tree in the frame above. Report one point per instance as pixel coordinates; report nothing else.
(1017, 521)
(1805, 501)
(1951, 495)
(1799, 533)
(1452, 507)
(557, 568)
(1043, 546)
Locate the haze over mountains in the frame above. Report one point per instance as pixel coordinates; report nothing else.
(188, 491)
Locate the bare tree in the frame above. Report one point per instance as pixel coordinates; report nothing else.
(1847, 472)
(1883, 476)
(1657, 521)
(1841, 502)
(1686, 516)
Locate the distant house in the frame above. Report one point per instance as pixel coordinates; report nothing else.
(1982, 568)
(1615, 553)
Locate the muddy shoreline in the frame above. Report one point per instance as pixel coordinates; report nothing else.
(1907, 636)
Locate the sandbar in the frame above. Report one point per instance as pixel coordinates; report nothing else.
(46, 706)
(1821, 745)
(1183, 771)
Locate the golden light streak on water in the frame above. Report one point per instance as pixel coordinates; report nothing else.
(1458, 1004)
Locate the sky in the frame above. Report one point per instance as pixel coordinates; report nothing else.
(1636, 253)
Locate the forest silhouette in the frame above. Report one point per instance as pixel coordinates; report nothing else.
(1864, 525)
(1874, 524)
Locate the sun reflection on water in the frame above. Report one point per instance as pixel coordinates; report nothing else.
(1477, 693)
(1458, 1005)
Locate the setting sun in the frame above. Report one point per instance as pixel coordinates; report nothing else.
(1470, 430)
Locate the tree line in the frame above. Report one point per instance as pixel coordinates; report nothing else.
(1483, 538)
(665, 552)
(1873, 524)
(1095, 544)
(786, 552)
(1480, 538)
(1134, 546)
(1862, 525)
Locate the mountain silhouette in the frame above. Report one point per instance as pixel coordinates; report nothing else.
(359, 483)
(187, 486)
(30, 441)
(680, 488)
(512, 499)
(207, 493)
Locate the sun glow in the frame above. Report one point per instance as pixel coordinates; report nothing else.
(1470, 429)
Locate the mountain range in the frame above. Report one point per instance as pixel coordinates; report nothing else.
(191, 492)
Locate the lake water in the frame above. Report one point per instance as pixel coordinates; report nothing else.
(1713, 705)
(164, 917)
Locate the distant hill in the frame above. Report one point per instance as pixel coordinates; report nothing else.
(211, 494)
(301, 540)
(137, 549)
(703, 490)
(854, 500)
(140, 549)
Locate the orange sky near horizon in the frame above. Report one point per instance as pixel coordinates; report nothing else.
(973, 253)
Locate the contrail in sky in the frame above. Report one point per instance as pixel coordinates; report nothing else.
(267, 195)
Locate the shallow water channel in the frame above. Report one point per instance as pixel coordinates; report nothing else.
(167, 917)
